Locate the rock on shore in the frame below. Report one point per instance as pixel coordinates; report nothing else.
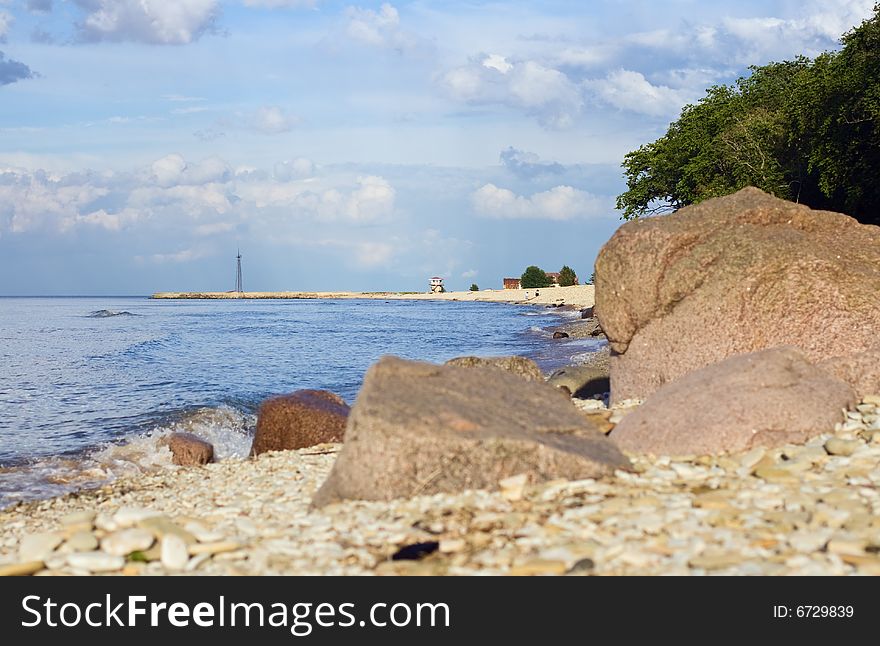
(419, 428)
(299, 420)
(734, 275)
(525, 368)
(767, 399)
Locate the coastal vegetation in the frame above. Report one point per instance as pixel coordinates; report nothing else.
(474, 287)
(805, 130)
(534, 277)
(567, 277)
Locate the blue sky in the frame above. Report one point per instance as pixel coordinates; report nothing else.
(344, 145)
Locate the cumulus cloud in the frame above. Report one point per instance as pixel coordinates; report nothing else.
(558, 203)
(528, 165)
(157, 22)
(628, 90)
(381, 29)
(282, 4)
(202, 198)
(470, 273)
(173, 170)
(540, 91)
(12, 70)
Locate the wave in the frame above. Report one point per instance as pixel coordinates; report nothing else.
(230, 431)
(105, 314)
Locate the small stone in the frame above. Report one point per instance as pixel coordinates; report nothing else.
(38, 547)
(452, 545)
(130, 516)
(874, 400)
(583, 566)
(161, 526)
(78, 518)
(174, 552)
(842, 546)
(95, 561)
(133, 569)
(512, 488)
(203, 534)
(716, 560)
(21, 569)
(81, 541)
(776, 474)
(538, 567)
(837, 446)
(126, 541)
(213, 548)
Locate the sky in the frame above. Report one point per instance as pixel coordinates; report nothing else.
(345, 145)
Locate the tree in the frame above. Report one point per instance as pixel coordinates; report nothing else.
(534, 277)
(474, 287)
(567, 277)
(804, 130)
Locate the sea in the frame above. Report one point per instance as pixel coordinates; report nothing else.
(89, 385)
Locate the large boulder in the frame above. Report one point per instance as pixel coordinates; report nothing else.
(188, 450)
(766, 398)
(734, 275)
(860, 370)
(300, 420)
(525, 368)
(418, 428)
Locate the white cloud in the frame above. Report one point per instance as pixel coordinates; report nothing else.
(470, 273)
(202, 198)
(294, 169)
(157, 22)
(558, 203)
(273, 120)
(6, 21)
(628, 90)
(543, 92)
(381, 29)
(173, 170)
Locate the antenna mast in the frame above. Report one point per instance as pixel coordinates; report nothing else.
(238, 273)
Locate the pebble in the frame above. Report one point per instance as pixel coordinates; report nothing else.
(130, 516)
(126, 541)
(21, 569)
(95, 561)
(538, 567)
(174, 552)
(38, 547)
(81, 541)
(82, 517)
(838, 446)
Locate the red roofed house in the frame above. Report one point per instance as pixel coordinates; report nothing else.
(511, 283)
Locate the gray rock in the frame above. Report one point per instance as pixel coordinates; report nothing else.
(419, 428)
(525, 368)
(766, 398)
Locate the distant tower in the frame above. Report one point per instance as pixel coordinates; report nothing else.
(238, 273)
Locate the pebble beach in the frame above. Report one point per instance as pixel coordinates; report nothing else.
(799, 509)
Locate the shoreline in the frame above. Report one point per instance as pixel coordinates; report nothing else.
(576, 296)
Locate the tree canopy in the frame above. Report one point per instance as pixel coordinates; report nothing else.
(803, 130)
(534, 277)
(474, 287)
(567, 277)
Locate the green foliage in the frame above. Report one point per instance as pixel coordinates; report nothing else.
(474, 287)
(804, 130)
(534, 277)
(567, 277)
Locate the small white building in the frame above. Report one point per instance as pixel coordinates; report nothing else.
(437, 285)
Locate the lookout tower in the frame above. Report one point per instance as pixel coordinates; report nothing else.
(437, 285)
(238, 272)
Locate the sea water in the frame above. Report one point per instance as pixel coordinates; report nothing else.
(89, 385)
